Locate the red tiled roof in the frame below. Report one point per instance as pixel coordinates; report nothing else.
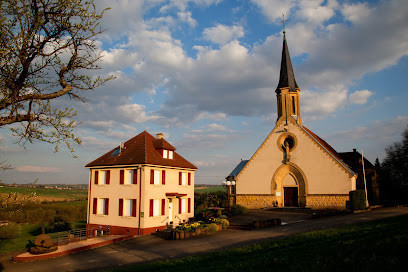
(142, 149)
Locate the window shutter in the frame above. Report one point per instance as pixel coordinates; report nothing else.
(189, 205)
(134, 207)
(120, 206)
(163, 177)
(179, 178)
(96, 177)
(122, 177)
(179, 205)
(151, 208)
(106, 206)
(151, 176)
(135, 176)
(189, 178)
(95, 205)
(163, 206)
(108, 177)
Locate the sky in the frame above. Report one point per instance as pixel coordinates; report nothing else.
(204, 73)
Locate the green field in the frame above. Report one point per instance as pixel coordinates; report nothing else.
(210, 189)
(376, 246)
(76, 194)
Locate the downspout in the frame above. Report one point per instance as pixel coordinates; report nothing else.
(89, 195)
(140, 198)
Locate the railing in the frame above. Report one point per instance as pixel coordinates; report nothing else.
(66, 237)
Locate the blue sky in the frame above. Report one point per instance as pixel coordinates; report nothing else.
(204, 73)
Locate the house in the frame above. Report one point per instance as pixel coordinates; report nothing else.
(140, 187)
(293, 166)
(353, 159)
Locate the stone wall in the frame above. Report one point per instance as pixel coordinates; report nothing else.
(255, 201)
(329, 201)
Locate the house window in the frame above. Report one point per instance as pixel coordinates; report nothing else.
(128, 176)
(101, 206)
(170, 154)
(165, 154)
(154, 207)
(154, 177)
(182, 178)
(182, 205)
(127, 207)
(102, 177)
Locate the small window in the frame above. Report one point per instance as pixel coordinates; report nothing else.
(183, 178)
(115, 152)
(165, 154)
(128, 177)
(183, 205)
(128, 207)
(155, 207)
(156, 177)
(101, 206)
(171, 155)
(293, 105)
(103, 177)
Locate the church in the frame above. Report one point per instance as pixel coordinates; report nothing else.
(293, 166)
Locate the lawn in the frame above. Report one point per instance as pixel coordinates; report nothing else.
(28, 233)
(376, 246)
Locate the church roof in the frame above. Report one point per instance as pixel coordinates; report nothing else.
(286, 77)
(237, 169)
(142, 149)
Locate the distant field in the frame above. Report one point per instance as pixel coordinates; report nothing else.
(46, 194)
(209, 189)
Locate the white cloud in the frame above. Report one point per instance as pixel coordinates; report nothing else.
(273, 9)
(186, 17)
(319, 104)
(38, 169)
(135, 113)
(218, 127)
(360, 97)
(356, 12)
(222, 34)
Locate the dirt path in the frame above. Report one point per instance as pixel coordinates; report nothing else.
(150, 248)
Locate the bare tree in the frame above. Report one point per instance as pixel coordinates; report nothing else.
(47, 49)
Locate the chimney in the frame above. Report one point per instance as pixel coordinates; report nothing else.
(159, 136)
(354, 150)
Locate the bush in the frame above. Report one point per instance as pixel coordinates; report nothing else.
(58, 225)
(357, 200)
(42, 250)
(10, 231)
(212, 227)
(224, 223)
(238, 209)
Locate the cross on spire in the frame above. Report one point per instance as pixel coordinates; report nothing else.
(283, 22)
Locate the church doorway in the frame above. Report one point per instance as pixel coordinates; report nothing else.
(290, 196)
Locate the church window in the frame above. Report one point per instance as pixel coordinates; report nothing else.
(293, 105)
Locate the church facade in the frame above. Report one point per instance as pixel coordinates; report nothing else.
(293, 166)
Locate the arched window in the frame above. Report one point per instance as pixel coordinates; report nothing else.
(293, 106)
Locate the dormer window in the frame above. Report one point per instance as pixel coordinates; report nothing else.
(167, 154)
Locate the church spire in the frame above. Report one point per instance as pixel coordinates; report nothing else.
(287, 77)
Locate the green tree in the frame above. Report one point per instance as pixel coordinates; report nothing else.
(394, 169)
(47, 49)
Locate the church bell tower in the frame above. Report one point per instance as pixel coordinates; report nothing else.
(287, 92)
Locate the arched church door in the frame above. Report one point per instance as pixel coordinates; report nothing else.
(290, 191)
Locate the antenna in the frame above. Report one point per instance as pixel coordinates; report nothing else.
(121, 146)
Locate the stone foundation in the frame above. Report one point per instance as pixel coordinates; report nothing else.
(329, 201)
(256, 201)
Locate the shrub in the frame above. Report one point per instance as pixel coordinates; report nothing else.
(10, 231)
(224, 223)
(357, 200)
(238, 209)
(42, 250)
(58, 225)
(212, 227)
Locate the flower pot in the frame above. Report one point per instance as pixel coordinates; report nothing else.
(219, 227)
(192, 234)
(181, 235)
(197, 232)
(186, 234)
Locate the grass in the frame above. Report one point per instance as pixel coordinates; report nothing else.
(376, 246)
(210, 189)
(28, 233)
(76, 194)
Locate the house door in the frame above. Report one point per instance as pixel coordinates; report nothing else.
(170, 211)
(291, 196)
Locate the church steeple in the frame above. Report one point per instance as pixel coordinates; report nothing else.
(287, 77)
(287, 92)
